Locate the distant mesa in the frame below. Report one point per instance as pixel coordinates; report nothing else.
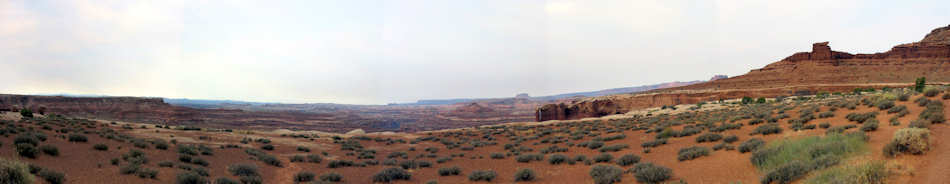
(717, 77)
(803, 73)
(473, 108)
(522, 95)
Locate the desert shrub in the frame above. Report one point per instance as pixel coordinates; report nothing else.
(166, 164)
(884, 104)
(525, 158)
(790, 159)
(497, 155)
(304, 176)
(314, 158)
(200, 161)
(450, 171)
(918, 124)
(50, 150)
(267, 147)
(243, 170)
(870, 125)
(557, 159)
(826, 114)
(824, 125)
(933, 113)
(77, 138)
(486, 175)
(932, 92)
(692, 153)
(628, 159)
(751, 145)
(874, 172)
(190, 178)
(653, 143)
(147, 173)
(946, 96)
(340, 163)
(187, 149)
(52, 177)
(604, 157)
(270, 160)
(606, 174)
(708, 137)
(613, 148)
(524, 175)
(649, 173)
(303, 149)
(591, 144)
(297, 158)
(251, 179)
(391, 174)
(26, 150)
(767, 129)
(223, 180)
(730, 139)
(100, 147)
(786, 173)
(861, 117)
(184, 158)
(25, 139)
(14, 172)
(908, 140)
(331, 177)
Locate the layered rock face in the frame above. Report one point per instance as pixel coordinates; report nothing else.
(822, 69)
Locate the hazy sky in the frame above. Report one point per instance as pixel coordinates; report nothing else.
(376, 52)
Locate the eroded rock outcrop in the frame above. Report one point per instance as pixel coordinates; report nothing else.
(821, 69)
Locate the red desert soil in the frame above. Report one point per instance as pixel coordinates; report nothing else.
(82, 164)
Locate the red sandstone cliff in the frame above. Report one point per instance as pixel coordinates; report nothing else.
(822, 69)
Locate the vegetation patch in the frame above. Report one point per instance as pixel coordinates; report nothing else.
(791, 159)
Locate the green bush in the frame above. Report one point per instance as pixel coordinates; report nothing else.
(824, 125)
(861, 117)
(524, 175)
(908, 140)
(304, 176)
(486, 175)
(692, 153)
(391, 174)
(339, 163)
(450, 171)
(649, 173)
(525, 158)
(628, 159)
(606, 174)
(497, 155)
(751, 145)
(14, 172)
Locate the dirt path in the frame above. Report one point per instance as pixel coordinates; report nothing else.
(937, 164)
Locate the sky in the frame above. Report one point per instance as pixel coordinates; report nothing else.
(378, 52)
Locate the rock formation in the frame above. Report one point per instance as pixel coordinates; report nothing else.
(822, 69)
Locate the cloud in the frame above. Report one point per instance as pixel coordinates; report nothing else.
(370, 51)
